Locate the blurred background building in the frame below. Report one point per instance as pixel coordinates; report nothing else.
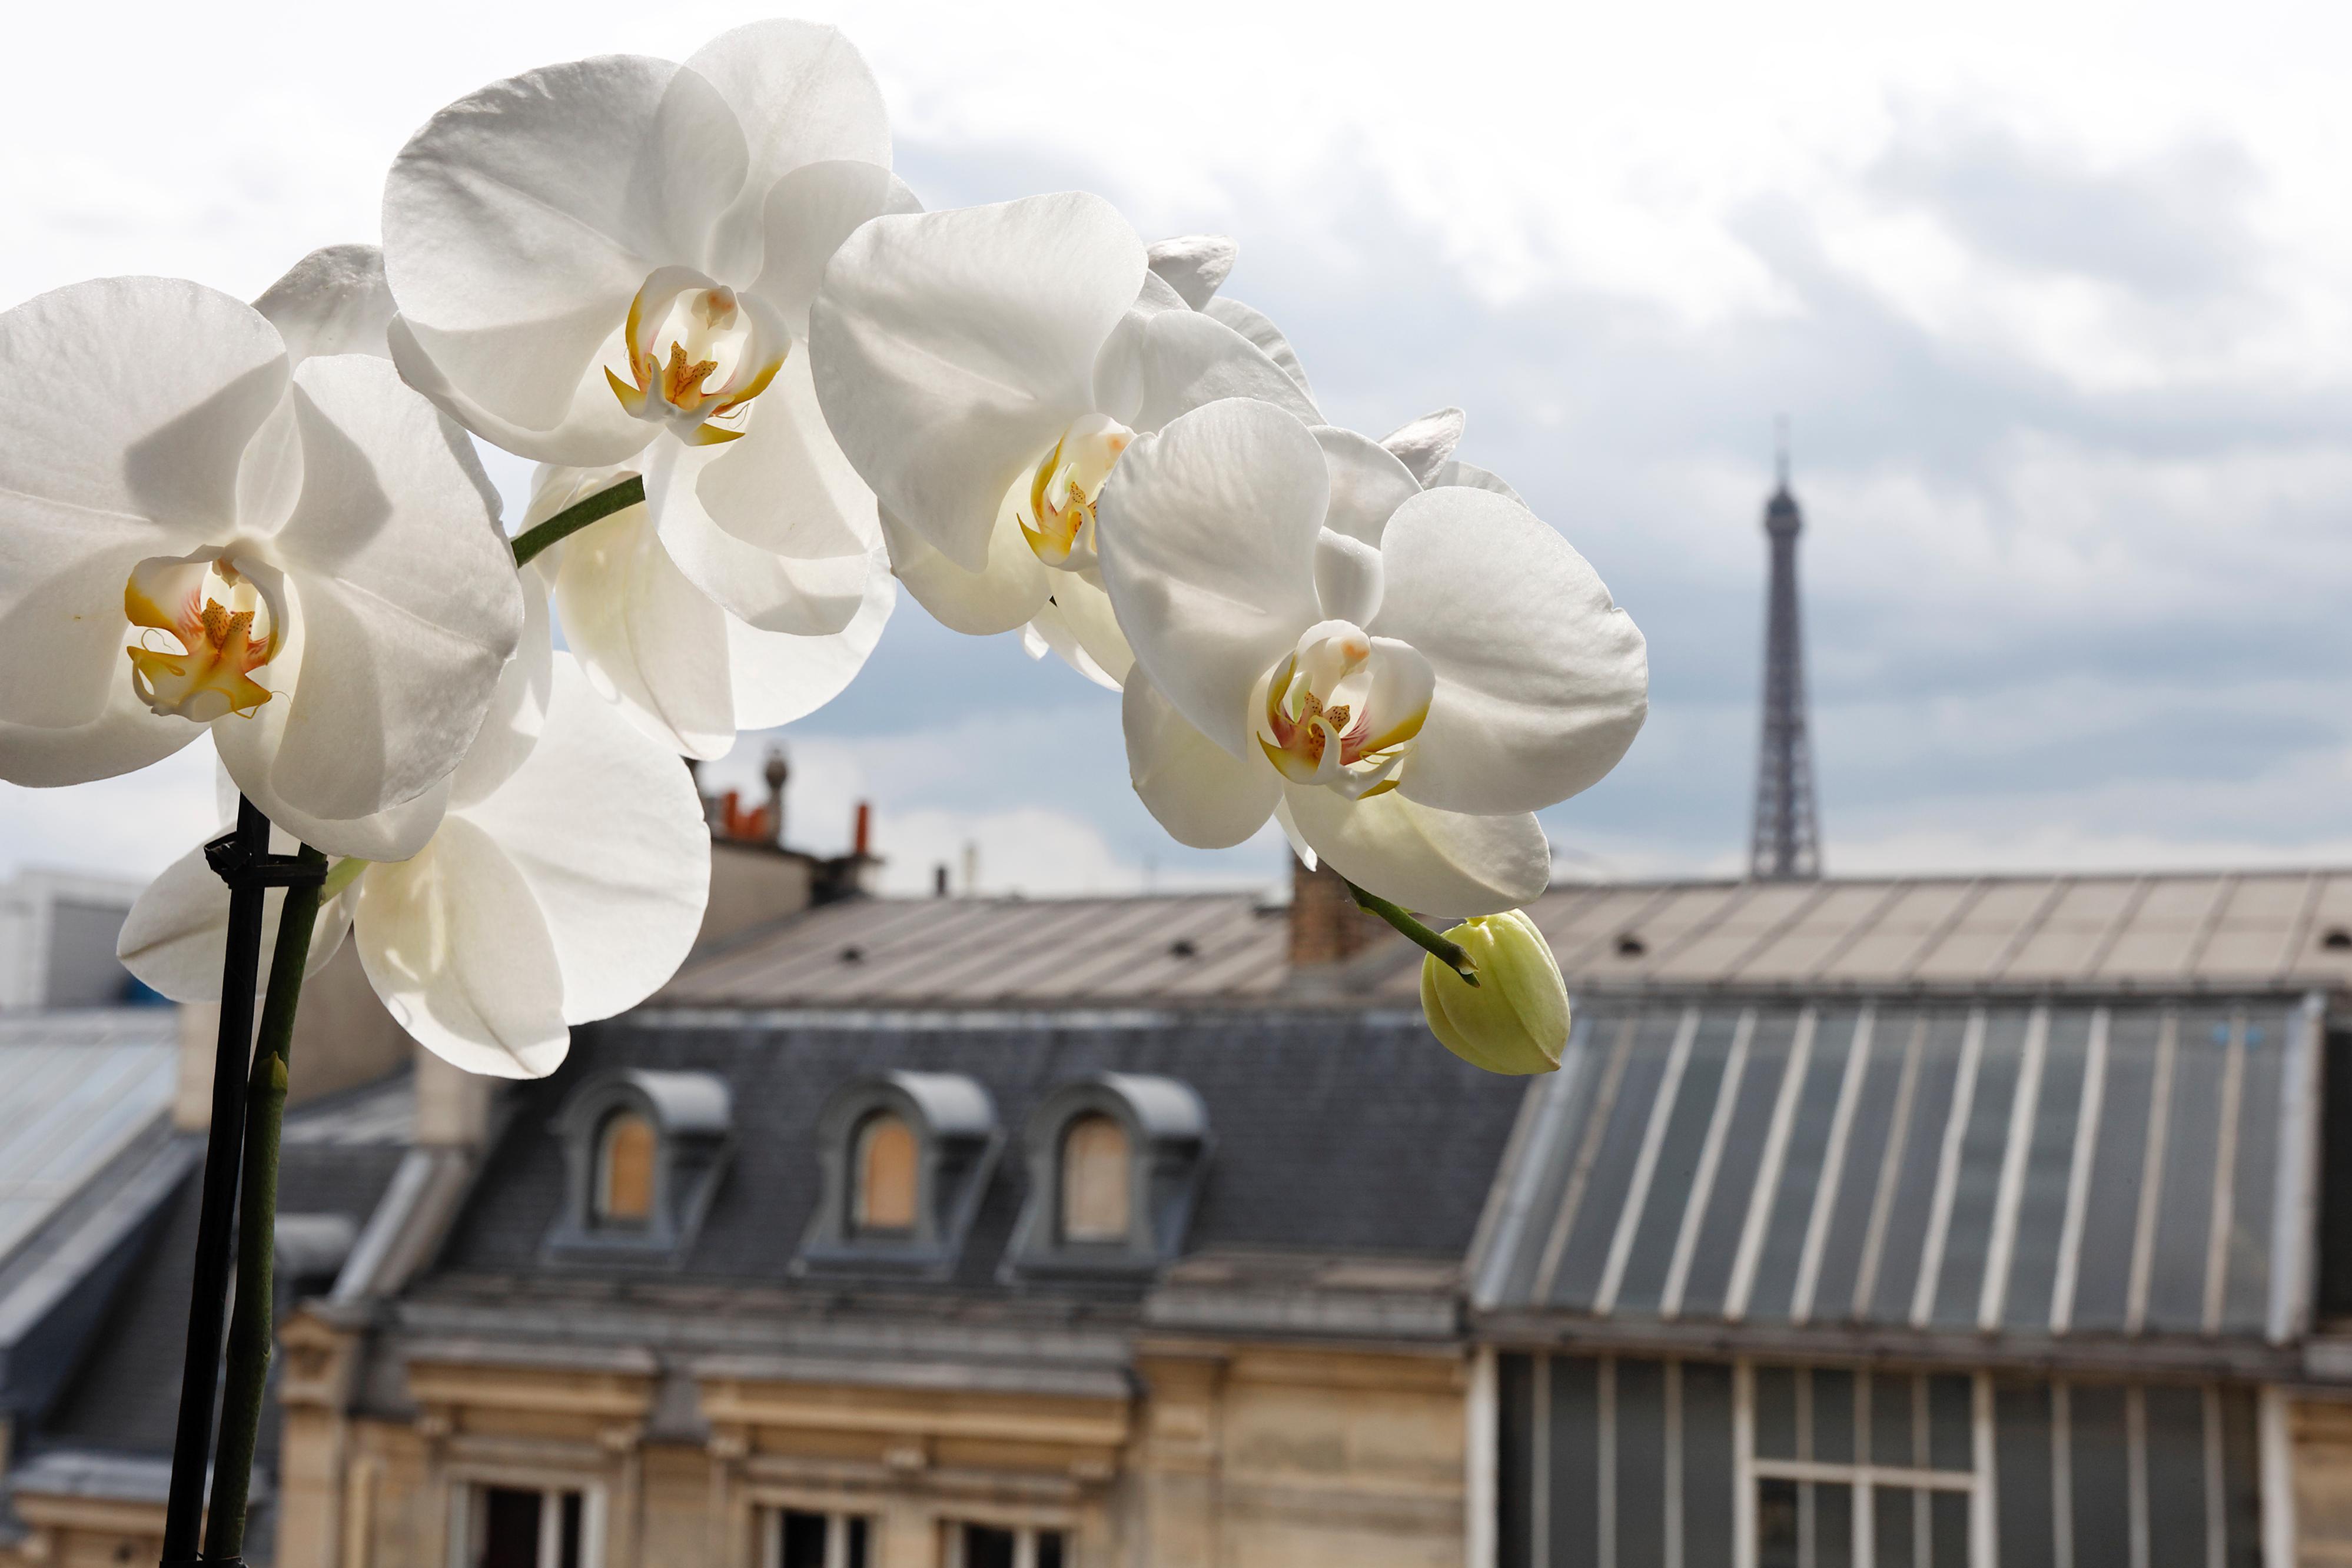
(1900, 1223)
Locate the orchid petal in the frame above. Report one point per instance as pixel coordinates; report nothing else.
(595, 432)
(605, 828)
(648, 639)
(779, 677)
(1471, 476)
(1369, 482)
(1157, 365)
(456, 947)
(1254, 324)
(1051, 632)
(177, 935)
(332, 302)
(1200, 793)
(126, 736)
(1348, 575)
(1008, 594)
(953, 349)
(808, 214)
(1194, 265)
(1426, 444)
(1086, 610)
(129, 410)
(521, 220)
(1542, 681)
(776, 527)
(1437, 862)
(403, 599)
(519, 703)
(1208, 532)
(802, 94)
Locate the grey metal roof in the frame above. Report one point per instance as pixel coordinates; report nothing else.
(2049, 1173)
(2227, 932)
(75, 1089)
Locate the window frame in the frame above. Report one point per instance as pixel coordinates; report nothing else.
(952, 1120)
(691, 1115)
(1026, 1536)
(837, 1518)
(469, 1510)
(1168, 1149)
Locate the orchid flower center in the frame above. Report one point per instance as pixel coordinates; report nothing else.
(224, 625)
(1343, 710)
(1054, 502)
(698, 353)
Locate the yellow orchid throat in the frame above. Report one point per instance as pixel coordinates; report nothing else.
(1055, 503)
(698, 353)
(226, 629)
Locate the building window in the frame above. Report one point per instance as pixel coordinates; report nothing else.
(884, 1203)
(1005, 1546)
(808, 1539)
(1095, 1201)
(1625, 1462)
(1854, 1467)
(625, 1170)
(514, 1527)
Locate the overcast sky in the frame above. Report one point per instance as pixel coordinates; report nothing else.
(2058, 297)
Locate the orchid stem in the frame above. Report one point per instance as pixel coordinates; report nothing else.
(254, 1326)
(1448, 953)
(183, 1511)
(577, 516)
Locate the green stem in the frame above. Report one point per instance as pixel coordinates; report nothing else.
(1448, 953)
(252, 1327)
(577, 516)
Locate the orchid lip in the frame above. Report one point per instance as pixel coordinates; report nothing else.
(1343, 710)
(1054, 500)
(698, 354)
(226, 621)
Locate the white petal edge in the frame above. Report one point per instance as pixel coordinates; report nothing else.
(1441, 864)
(1542, 681)
(1202, 794)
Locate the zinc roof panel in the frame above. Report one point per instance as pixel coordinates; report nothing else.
(2072, 935)
(1885, 950)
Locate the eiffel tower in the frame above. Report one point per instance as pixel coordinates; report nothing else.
(1786, 845)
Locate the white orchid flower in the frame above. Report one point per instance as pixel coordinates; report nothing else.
(611, 262)
(983, 369)
(681, 666)
(684, 668)
(565, 883)
(1404, 675)
(198, 532)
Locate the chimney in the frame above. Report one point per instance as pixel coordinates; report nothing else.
(776, 773)
(861, 838)
(940, 881)
(1326, 926)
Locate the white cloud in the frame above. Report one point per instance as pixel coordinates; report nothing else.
(2055, 292)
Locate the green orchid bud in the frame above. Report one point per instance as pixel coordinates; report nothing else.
(1514, 1020)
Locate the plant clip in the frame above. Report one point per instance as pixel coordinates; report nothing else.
(233, 864)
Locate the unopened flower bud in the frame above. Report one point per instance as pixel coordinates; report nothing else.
(1514, 1020)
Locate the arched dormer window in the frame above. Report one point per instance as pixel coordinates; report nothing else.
(625, 1150)
(905, 1157)
(643, 1153)
(887, 1177)
(1115, 1162)
(1096, 1206)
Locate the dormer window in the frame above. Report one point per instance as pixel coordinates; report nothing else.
(905, 1157)
(625, 1147)
(1096, 1206)
(643, 1153)
(887, 1177)
(1114, 1163)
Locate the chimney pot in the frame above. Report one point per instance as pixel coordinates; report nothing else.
(862, 837)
